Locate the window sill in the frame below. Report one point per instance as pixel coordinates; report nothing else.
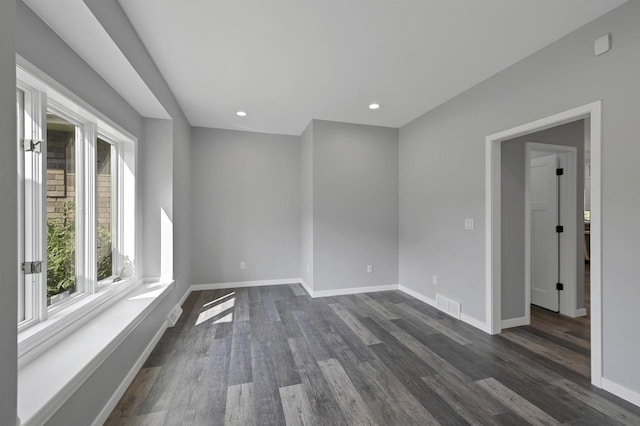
(42, 389)
(67, 318)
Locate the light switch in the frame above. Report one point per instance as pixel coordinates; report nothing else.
(602, 45)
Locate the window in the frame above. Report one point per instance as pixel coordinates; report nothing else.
(77, 207)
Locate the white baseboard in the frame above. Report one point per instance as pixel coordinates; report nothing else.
(353, 290)
(418, 296)
(115, 398)
(473, 322)
(481, 325)
(580, 312)
(514, 322)
(184, 297)
(621, 391)
(306, 287)
(258, 283)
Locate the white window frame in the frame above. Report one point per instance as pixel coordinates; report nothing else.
(48, 325)
(117, 203)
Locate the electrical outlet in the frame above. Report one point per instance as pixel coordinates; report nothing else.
(369, 269)
(468, 224)
(243, 265)
(308, 268)
(435, 280)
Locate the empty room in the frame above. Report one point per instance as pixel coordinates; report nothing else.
(342, 212)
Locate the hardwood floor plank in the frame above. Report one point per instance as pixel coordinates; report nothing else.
(405, 358)
(354, 324)
(241, 308)
(433, 323)
(435, 405)
(182, 406)
(211, 403)
(269, 296)
(353, 407)
(406, 408)
(240, 363)
(324, 406)
(517, 404)
(433, 360)
(135, 394)
(296, 406)
(470, 401)
(566, 358)
(268, 407)
(298, 290)
(334, 324)
(285, 308)
(606, 407)
(240, 406)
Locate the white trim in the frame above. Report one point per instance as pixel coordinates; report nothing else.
(568, 297)
(354, 290)
(473, 322)
(516, 322)
(119, 392)
(39, 338)
(580, 312)
(592, 111)
(621, 391)
(421, 297)
(306, 287)
(239, 284)
(184, 296)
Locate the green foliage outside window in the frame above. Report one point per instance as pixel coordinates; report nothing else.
(61, 252)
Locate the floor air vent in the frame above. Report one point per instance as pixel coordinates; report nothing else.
(448, 306)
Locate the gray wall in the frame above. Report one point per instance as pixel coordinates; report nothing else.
(8, 213)
(246, 206)
(306, 205)
(355, 205)
(513, 212)
(115, 22)
(156, 177)
(442, 173)
(182, 205)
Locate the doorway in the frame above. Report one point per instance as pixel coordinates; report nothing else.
(591, 113)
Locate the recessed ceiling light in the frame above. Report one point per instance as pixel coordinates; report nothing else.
(374, 106)
(241, 114)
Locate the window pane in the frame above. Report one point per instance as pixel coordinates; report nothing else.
(61, 208)
(104, 210)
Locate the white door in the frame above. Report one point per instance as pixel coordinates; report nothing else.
(544, 239)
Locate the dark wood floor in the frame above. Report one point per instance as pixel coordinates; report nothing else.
(274, 356)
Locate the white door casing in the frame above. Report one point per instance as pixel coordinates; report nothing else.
(592, 114)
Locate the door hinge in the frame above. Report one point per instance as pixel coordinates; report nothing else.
(32, 267)
(559, 286)
(559, 172)
(31, 145)
(559, 228)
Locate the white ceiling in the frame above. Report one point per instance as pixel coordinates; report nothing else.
(87, 37)
(287, 62)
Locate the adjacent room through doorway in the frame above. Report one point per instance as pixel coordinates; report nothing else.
(545, 202)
